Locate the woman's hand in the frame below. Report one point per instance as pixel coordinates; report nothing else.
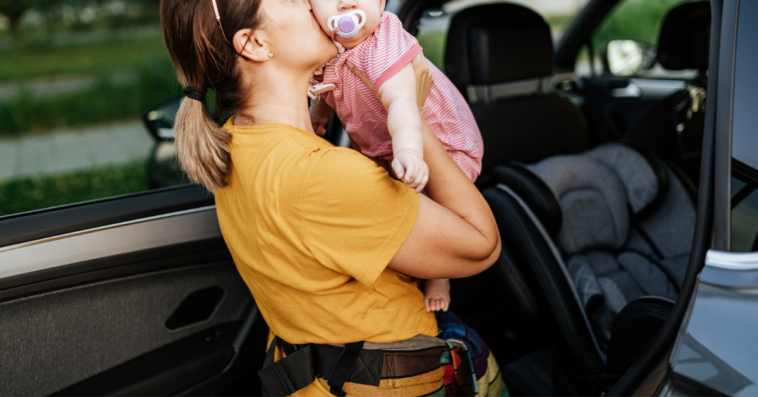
(424, 79)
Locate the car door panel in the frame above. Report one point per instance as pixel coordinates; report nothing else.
(151, 305)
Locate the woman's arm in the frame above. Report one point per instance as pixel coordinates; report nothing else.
(455, 234)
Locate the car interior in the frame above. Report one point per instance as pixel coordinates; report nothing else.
(596, 240)
(596, 223)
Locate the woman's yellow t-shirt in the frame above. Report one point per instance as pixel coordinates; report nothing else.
(311, 228)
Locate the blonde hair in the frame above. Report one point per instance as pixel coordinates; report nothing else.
(201, 146)
(204, 59)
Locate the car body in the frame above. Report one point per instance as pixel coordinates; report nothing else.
(138, 294)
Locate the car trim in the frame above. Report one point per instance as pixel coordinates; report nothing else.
(105, 241)
(732, 260)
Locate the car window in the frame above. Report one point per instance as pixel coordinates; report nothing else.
(434, 22)
(744, 229)
(744, 219)
(629, 32)
(75, 79)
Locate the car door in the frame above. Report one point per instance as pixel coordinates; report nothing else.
(127, 295)
(714, 347)
(715, 350)
(108, 285)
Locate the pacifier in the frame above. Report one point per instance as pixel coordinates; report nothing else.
(348, 24)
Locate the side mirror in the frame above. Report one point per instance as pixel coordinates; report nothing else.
(627, 57)
(159, 121)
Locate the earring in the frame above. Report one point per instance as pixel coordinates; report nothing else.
(270, 54)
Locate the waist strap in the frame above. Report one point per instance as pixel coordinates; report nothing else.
(306, 362)
(357, 362)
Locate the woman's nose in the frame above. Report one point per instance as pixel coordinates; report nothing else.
(346, 5)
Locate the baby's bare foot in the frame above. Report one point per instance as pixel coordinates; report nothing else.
(437, 295)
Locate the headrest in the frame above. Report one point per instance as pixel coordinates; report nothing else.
(642, 174)
(598, 191)
(684, 41)
(497, 43)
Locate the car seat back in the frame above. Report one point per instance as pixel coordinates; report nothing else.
(498, 56)
(673, 127)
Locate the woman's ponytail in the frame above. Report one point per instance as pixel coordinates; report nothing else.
(204, 58)
(202, 147)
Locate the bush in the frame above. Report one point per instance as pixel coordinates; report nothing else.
(34, 193)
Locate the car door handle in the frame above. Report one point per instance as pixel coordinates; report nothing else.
(630, 91)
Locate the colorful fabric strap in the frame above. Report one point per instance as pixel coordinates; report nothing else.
(457, 363)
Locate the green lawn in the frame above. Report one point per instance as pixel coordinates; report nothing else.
(23, 61)
(102, 102)
(49, 191)
(144, 58)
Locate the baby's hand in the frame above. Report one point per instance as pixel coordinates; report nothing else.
(319, 123)
(436, 295)
(411, 169)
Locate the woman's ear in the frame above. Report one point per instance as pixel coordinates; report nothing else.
(252, 45)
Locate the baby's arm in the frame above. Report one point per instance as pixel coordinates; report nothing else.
(398, 95)
(320, 113)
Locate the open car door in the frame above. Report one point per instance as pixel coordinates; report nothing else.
(133, 295)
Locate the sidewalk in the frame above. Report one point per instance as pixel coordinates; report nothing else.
(73, 150)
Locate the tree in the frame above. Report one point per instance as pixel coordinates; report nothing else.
(14, 10)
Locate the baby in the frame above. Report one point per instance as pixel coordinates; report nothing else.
(376, 43)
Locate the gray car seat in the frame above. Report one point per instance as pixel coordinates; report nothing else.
(602, 240)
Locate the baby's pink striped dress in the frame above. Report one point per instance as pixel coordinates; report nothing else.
(380, 56)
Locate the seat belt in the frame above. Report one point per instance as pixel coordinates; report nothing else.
(300, 369)
(343, 368)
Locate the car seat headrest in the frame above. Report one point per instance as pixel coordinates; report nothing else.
(684, 41)
(642, 174)
(497, 43)
(593, 202)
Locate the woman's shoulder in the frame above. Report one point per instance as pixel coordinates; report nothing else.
(345, 174)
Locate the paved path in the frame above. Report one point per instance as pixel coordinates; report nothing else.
(73, 150)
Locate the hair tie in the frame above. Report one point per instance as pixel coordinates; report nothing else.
(195, 93)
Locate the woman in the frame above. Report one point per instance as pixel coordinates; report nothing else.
(325, 239)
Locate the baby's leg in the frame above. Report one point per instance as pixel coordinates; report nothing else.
(437, 294)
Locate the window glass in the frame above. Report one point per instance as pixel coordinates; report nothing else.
(745, 120)
(434, 23)
(744, 216)
(75, 79)
(631, 20)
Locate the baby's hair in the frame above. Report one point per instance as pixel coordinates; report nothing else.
(203, 60)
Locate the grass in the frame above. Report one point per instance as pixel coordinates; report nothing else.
(23, 61)
(34, 193)
(104, 101)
